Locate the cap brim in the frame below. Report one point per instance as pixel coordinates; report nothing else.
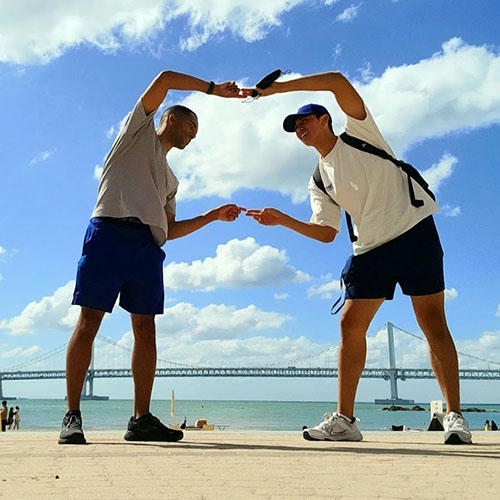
(289, 123)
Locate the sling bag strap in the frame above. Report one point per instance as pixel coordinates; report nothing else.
(320, 184)
(411, 172)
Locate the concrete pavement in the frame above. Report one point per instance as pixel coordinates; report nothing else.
(255, 465)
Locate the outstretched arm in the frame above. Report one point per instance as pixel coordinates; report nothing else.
(171, 80)
(178, 229)
(273, 217)
(346, 95)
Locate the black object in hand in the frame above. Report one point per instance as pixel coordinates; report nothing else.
(267, 81)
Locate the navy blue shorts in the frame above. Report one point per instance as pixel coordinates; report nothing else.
(120, 259)
(414, 260)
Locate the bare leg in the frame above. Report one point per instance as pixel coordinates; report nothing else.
(143, 361)
(79, 354)
(429, 310)
(356, 317)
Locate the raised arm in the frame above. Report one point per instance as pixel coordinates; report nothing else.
(171, 80)
(273, 217)
(178, 229)
(346, 95)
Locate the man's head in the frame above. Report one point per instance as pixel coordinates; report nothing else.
(289, 123)
(178, 127)
(4, 403)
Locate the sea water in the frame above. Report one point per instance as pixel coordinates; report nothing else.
(287, 416)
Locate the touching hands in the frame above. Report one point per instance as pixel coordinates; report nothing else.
(266, 216)
(228, 89)
(229, 213)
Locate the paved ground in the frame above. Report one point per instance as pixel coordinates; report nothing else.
(238, 465)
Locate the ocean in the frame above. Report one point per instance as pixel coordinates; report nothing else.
(286, 416)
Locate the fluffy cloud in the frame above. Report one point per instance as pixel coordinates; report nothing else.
(450, 294)
(237, 263)
(212, 335)
(34, 33)
(348, 14)
(411, 103)
(325, 290)
(50, 313)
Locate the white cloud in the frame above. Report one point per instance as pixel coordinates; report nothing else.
(411, 103)
(20, 352)
(50, 313)
(325, 290)
(42, 156)
(450, 211)
(98, 172)
(280, 296)
(436, 174)
(217, 334)
(237, 263)
(450, 294)
(348, 14)
(34, 32)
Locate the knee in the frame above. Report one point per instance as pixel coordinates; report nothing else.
(143, 327)
(433, 323)
(89, 321)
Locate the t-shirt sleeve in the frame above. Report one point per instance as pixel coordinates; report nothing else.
(136, 119)
(325, 212)
(367, 130)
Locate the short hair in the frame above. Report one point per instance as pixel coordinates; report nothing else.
(177, 110)
(330, 123)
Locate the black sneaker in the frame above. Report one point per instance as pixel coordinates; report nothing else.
(71, 431)
(149, 428)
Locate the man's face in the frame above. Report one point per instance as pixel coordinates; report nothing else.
(307, 128)
(184, 130)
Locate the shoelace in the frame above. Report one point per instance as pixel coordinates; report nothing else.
(330, 416)
(73, 421)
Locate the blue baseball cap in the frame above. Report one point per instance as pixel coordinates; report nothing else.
(308, 109)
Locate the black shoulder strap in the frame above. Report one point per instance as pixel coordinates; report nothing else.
(320, 184)
(409, 170)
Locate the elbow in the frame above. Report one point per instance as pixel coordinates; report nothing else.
(328, 235)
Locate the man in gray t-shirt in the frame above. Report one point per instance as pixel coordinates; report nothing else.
(122, 256)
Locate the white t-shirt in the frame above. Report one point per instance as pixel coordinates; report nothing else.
(372, 190)
(136, 180)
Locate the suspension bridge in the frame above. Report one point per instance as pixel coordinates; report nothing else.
(392, 373)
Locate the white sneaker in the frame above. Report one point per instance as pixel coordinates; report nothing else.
(456, 429)
(334, 427)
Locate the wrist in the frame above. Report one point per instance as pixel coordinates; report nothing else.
(211, 87)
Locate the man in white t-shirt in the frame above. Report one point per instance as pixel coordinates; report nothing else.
(122, 256)
(395, 241)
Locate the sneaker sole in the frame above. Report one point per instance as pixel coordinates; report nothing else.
(308, 437)
(133, 437)
(79, 439)
(454, 438)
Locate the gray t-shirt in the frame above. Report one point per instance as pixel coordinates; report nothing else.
(136, 180)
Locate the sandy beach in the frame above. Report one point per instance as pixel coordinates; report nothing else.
(239, 465)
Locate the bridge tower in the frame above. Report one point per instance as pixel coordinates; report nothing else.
(394, 399)
(88, 395)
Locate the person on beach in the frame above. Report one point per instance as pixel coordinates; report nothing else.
(132, 219)
(4, 413)
(395, 241)
(17, 418)
(10, 418)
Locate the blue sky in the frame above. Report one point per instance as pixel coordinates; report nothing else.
(241, 294)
